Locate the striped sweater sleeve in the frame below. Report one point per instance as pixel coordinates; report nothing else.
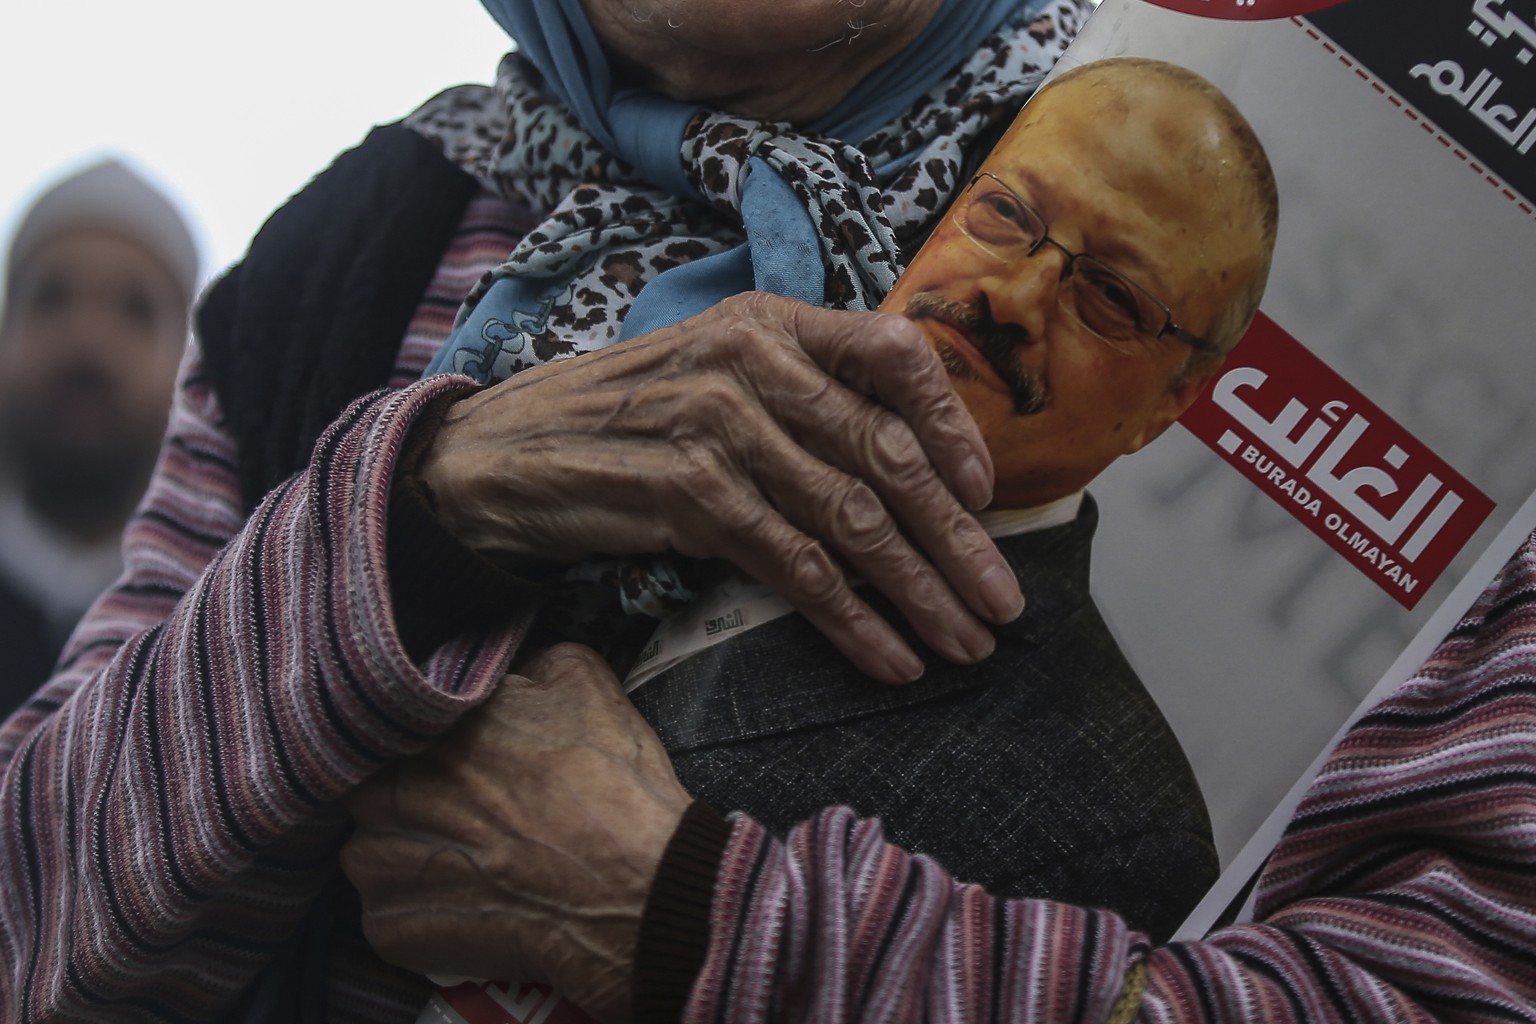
(1404, 890)
(167, 801)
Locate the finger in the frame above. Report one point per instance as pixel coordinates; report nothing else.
(565, 666)
(380, 865)
(886, 357)
(873, 444)
(452, 936)
(739, 456)
(799, 569)
(566, 697)
(857, 527)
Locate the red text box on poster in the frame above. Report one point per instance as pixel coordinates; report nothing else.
(1335, 461)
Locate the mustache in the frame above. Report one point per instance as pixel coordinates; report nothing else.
(82, 377)
(998, 344)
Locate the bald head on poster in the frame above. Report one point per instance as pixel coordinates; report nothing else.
(1091, 278)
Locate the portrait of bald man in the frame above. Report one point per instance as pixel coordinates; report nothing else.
(1110, 251)
(1081, 291)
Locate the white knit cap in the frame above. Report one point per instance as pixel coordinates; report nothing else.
(110, 196)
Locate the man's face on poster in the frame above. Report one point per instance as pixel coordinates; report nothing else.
(1072, 289)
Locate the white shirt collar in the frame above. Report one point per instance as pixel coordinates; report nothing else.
(1009, 522)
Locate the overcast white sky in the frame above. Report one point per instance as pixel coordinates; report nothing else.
(230, 107)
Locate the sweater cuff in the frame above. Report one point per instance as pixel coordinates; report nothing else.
(438, 586)
(674, 928)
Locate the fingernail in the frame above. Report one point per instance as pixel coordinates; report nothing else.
(906, 667)
(999, 590)
(977, 640)
(974, 484)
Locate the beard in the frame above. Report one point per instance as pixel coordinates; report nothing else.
(83, 483)
(998, 344)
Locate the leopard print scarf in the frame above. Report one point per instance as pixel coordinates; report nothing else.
(578, 281)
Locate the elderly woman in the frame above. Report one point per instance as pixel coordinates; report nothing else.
(318, 584)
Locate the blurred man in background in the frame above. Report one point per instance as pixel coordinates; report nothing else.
(98, 279)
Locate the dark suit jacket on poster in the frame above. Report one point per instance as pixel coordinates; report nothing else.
(1045, 771)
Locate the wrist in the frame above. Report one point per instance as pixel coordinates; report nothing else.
(674, 926)
(438, 586)
(494, 489)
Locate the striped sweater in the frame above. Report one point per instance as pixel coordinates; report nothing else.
(1404, 890)
(167, 801)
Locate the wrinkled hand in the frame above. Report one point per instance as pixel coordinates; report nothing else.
(782, 437)
(523, 844)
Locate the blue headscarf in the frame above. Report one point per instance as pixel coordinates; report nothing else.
(783, 250)
(646, 130)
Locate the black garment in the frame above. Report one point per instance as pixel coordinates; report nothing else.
(1045, 771)
(28, 647)
(312, 318)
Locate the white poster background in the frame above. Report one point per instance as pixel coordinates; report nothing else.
(1409, 274)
